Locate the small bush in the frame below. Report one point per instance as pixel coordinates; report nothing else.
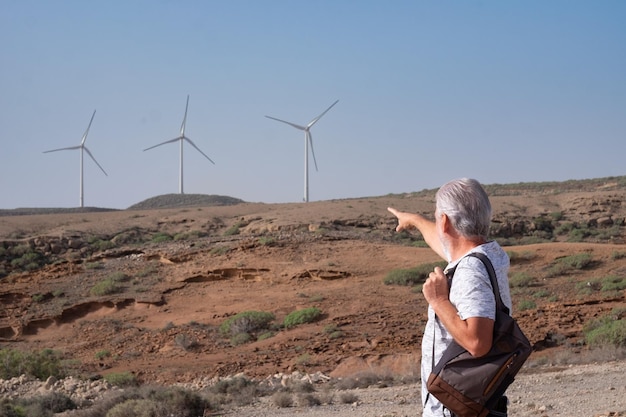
(521, 280)
(517, 257)
(412, 276)
(233, 230)
(135, 408)
(246, 322)
(238, 390)
(304, 359)
(348, 398)
(161, 237)
(220, 250)
(185, 342)
(527, 305)
(282, 399)
(106, 287)
(93, 265)
(150, 401)
(333, 331)
(613, 283)
(605, 331)
(36, 406)
(240, 339)
(308, 400)
(121, 379)
(566, 264)
(307, 315)
(41, 365)
(101, 354)
(101, 245)
(618, 255)
(266, 241)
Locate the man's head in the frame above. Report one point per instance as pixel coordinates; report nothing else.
(467, 206)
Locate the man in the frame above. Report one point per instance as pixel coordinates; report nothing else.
(465, 307)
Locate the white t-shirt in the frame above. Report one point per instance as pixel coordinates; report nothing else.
(472, 295)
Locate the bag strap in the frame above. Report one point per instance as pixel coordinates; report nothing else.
(492, 277)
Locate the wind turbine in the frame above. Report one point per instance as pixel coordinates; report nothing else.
(182, 138)
(82, 148)
(308, 140)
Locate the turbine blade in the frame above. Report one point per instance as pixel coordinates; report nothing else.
(94, 159)
(163, 143)
(63, 149)
(310, 139)
(320, 116)
(82, 142)
(182, 127)
(289, 123)
(198, 149)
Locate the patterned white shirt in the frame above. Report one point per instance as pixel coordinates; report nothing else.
(472, 295)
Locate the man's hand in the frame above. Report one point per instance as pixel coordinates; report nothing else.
(435, 288)
(404, 219)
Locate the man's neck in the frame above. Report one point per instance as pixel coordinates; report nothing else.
(462, 246)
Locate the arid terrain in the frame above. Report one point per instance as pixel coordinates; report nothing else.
(180, 272)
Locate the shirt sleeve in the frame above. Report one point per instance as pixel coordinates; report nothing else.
(471, 292)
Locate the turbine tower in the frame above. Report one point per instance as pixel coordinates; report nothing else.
(82, 148)
(308, 140)
(181, 139)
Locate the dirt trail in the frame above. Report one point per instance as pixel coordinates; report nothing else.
(595, 390)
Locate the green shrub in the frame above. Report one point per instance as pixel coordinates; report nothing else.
(303, 316)
(101, 245)
(46, 405)
(118, 276)
(566, 264)
(266, 241)
(605, 331)
(521, 279)
(304, 359)
(613, 283)
(233, 230)
(517, 257)
(121, 379)
(246, 322)
(333, 331)
(135, 408)
(101, 354)
(93, 265)
(106, 287)
(527, 305)
(220, 250)
(151, 401)
(161, 237)
(282, 399)
(618, 255)
(238, 390)
(412, 276)
(40, 365)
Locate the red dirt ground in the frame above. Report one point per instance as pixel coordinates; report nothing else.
(163, 325)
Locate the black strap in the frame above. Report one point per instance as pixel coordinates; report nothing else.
(492, 277)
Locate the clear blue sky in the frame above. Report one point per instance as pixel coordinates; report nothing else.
(501, 91)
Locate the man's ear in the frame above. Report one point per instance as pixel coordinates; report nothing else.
(445, 223)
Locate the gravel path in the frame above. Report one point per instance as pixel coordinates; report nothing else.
(595, 390)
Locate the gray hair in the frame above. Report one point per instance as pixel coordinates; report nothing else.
(467, 205)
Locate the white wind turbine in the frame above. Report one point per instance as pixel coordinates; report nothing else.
(82, 148)
(308, 140)
(181, 139)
